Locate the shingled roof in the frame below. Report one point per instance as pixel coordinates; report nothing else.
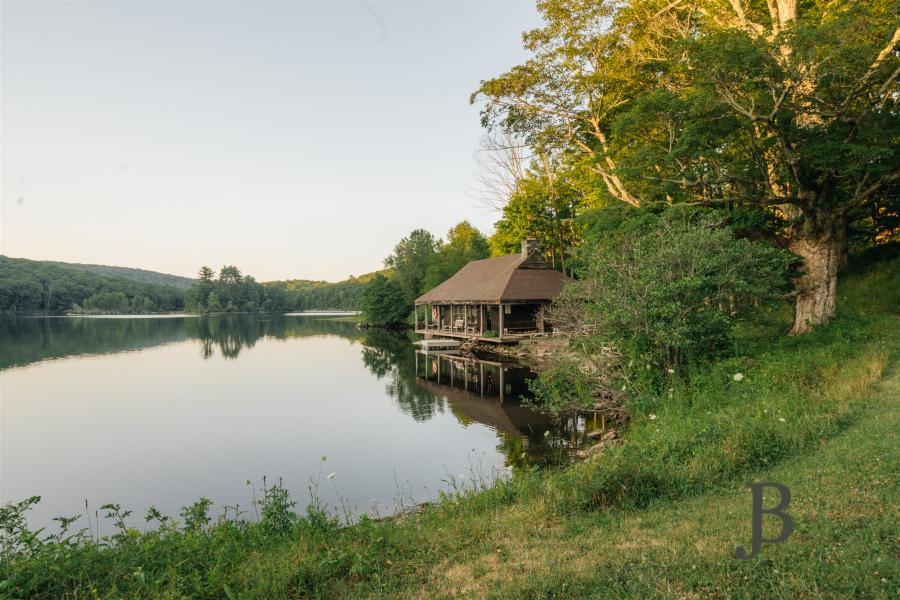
(515, 278)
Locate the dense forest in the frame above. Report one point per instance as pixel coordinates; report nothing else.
(781, 118)
(31, 286)
(303, 294)
(28, 286)
(233, 291)
(141, 275)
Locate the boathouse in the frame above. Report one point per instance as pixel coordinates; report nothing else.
(495, 300)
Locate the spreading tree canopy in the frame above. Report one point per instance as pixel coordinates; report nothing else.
(784, 107)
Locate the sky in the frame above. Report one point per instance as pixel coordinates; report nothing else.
(292, 139)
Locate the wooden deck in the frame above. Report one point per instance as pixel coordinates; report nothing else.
(508, 338)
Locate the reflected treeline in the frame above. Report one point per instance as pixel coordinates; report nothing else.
(231, 334)
(391, 355)
(27, 340)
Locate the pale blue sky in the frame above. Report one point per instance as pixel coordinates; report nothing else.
(293, 139)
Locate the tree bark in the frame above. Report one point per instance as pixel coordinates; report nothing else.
(817, 283)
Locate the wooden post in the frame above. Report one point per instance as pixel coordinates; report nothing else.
(500, 332)
(481, 319)
(481, 377)
(466, 319)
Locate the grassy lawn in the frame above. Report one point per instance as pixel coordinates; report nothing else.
(658, 516)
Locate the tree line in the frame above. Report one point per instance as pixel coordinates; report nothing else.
(29, 286)
(303, 294)
(418, 263)
(230, 290)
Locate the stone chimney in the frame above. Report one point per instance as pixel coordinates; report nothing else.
(530, 246)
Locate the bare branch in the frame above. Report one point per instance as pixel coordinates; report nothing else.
(502, 160)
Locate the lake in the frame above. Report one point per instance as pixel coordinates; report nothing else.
(161, 411)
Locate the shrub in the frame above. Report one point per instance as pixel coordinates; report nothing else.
(672, 286)
(561, 390)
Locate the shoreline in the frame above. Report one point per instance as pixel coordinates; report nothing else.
(312, 313)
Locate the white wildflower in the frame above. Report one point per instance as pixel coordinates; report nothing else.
(330, 475)
(652, 417)
(670, 371)
(781, 419)
(738, 376)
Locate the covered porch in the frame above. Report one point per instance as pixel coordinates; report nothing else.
(500, 322)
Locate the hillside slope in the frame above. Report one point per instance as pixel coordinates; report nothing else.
(140, 275)
(29, 286)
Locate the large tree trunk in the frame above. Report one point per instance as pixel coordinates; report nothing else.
(817, 285)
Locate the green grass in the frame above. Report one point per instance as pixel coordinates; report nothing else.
(658, 516)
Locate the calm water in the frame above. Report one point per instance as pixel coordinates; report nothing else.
(161, 411)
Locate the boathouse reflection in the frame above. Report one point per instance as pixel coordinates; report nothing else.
(487, 391)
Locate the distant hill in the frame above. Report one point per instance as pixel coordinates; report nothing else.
(141, 275)
(29, 286)
(54, 286)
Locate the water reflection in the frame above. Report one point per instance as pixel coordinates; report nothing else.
(203, 404)
(473, 389)
(390, 356)
(491, 392)
(27, 340)
(423, 385)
